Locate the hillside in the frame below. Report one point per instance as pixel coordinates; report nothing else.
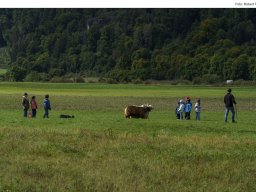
(128, 44)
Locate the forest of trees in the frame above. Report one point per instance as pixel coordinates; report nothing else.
(129, 44)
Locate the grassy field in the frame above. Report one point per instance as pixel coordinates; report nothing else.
(2, 71)
(100, 150)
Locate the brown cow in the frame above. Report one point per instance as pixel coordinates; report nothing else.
(134, 111)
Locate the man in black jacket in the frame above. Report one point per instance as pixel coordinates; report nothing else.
(229, 101)
(25, 104)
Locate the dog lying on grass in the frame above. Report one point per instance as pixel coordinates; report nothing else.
(67, 116)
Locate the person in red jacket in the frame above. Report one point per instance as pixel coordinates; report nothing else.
(229, 101)
(33, 105)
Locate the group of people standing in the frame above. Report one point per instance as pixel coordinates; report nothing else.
(181, 108)
(32, 104)
(186, 107)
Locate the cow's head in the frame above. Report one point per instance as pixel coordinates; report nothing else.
(147, 106)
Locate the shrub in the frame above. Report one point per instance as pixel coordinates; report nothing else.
(61, 80)
(79, 79)
(37, 77)
(2, 77)
(183, 82)
(44, 77)
(137, 81)
(102, 80)
(120, 75)
(111, 81)
(197, 81)
(207, 79)
(241, 82)
(56, 72)
(211, 79)
(16, 73)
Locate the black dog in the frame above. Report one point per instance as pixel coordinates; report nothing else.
(67, 116)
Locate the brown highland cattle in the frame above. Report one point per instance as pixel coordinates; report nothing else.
(134, 111)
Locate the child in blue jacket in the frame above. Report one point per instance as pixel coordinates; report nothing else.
(47, 106)
(188, 108)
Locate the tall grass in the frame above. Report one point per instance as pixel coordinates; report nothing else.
(100, 150)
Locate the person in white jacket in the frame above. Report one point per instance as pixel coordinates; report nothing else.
(198, 109)
(181, 109)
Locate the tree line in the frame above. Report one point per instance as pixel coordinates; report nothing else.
(129, 44)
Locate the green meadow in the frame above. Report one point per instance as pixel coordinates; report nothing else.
(2, 71)
(100, 150)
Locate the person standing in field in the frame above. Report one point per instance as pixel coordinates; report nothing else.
(25, 104)
(229, 101)
(198, 109)
(181, 109)
(47, 106)
(176, 110)
(188, 108)
(33, 105)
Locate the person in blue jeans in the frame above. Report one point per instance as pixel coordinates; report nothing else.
(198, 109)
(47, 106)
(188, 108)
(176, 110)
(229, 101)
(181, 109)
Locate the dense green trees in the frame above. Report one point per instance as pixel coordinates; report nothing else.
(130, 44)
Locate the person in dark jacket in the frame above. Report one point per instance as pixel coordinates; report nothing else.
(229, 101)
(25, 104)
(47, 106)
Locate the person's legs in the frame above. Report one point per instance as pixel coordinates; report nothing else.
(181, 116)
(25, 112)
(198, 116)
(233, 114)
(33, 112)
(187, 115)
(46, 113)
(226, 114)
